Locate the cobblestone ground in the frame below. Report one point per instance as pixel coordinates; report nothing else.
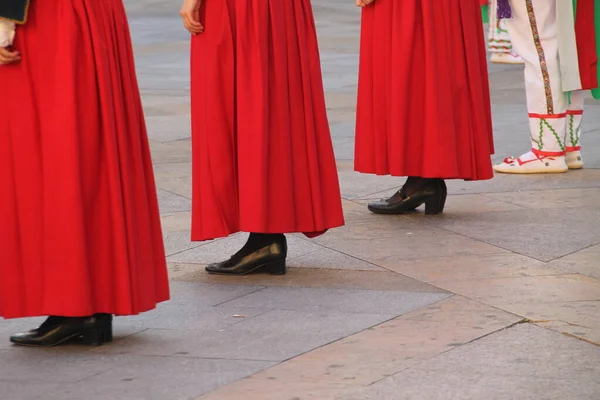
(499, 298)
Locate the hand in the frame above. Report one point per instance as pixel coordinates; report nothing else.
(9, 57)
(190, 13)
(363, 3)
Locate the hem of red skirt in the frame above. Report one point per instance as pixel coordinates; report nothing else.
(58, 312)
(309, 234)
(428, 176)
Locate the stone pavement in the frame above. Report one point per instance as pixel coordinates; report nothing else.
(499, 298)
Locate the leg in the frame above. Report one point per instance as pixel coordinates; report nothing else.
(573, 137)
(534, 34)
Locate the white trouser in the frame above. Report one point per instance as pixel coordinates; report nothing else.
(554, 124)
(498, 38)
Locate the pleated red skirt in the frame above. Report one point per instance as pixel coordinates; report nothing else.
(263, 159)
(585, 30)
(80, 231)
(423, 95)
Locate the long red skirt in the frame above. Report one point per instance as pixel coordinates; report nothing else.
(585, 30)
(80, 231)
(423, 94)
(262, 154)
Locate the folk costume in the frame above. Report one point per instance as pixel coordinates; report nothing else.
(423, 99)
(263, 159)
(559, 42)
(80, 235)
(498, 39)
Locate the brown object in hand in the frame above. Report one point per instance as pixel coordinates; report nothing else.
(14, 10)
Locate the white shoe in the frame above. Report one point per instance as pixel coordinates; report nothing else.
(506, 58)
(536, 165)
(574, 159)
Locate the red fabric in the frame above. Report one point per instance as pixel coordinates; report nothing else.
(585, 32)
(80, 231)
(423, 95)
(262, 154)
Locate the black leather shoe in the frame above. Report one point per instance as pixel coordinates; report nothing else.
(268, 258)
(433, 194)
(93, 331)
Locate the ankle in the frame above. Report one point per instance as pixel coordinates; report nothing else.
(259, 240)
(416, 184)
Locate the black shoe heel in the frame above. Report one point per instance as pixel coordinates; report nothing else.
(436, 203)
(268, 257)
(277, 268)
(97, 336)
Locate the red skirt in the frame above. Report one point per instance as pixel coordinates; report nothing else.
(263, 159)
(423, 94)
(585, 30)
(80, 231)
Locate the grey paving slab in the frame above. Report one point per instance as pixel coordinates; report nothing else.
(155, 21)
(354, 185)
(168, 128)
(331, 259)
(177, 222)
(25, 389)
(342, 129)
(170, 202)
(586, 262)
(272, 336)
(338, 300)
(222, 249)
(561, 198)
(522, 362)
(400, 239)
(533, 233)
(177, 242)
(427, 385)
(524, 350)
(156, 105)
(191, 318)
(177, 151)
(158, 378)
(207, 295)
(175, 177)
(343, 148)
(66, 364)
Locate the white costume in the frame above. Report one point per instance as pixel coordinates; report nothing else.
(543, 34)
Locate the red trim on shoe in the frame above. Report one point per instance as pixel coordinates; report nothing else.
(547, 116)
(571, 149)
(511, 160)
(539, 158)
(541, 153)
(574, 112)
